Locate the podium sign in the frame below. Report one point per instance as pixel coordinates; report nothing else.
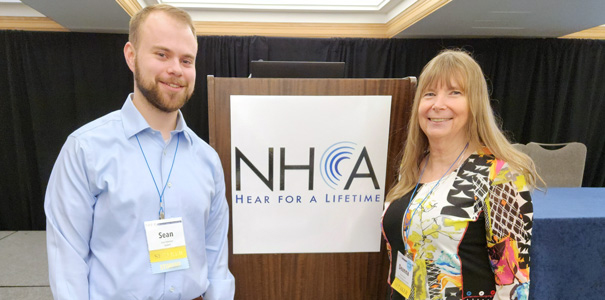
(308, 173)
(301, 276)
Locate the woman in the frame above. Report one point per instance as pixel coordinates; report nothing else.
(466, 232)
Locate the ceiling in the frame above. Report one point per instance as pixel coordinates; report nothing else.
(327, 18)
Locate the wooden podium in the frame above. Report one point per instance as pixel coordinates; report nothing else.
(316, 276)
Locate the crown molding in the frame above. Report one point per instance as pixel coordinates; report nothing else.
(403, 20)
(596, 33)
(130, 6)
(416, 12)
(277, 29)
(30, 24)
(314, 30)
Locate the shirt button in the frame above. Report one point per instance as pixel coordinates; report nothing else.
(172, 289)
(169, 185)
(164, 152)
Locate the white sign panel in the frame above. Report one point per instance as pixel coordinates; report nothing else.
(308, 173)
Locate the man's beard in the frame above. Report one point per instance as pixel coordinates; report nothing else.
(151, 92)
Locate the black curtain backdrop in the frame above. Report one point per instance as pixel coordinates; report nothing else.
(543, 90)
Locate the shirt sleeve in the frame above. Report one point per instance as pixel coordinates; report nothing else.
(509, 226)
(69, 210)
(222, 282)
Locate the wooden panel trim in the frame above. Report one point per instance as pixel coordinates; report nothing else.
(596, 33)
(413, 14)
(315, 30)
(130, 6)
(30, 24)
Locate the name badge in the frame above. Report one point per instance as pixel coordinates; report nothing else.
(166, 244)
(404, 274)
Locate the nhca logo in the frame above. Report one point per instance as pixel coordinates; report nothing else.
(334, 167)
(334, 158)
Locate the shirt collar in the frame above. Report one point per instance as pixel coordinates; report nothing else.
(134, 122)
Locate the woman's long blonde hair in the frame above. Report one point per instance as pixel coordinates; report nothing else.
(482, 128)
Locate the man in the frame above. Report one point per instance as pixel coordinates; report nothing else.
(136, 204)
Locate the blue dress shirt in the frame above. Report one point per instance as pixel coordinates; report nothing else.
(101, 192)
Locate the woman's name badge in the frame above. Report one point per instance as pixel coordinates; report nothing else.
(166, 243)
(403, 275)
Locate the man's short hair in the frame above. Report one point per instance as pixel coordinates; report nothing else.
(140, 17)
